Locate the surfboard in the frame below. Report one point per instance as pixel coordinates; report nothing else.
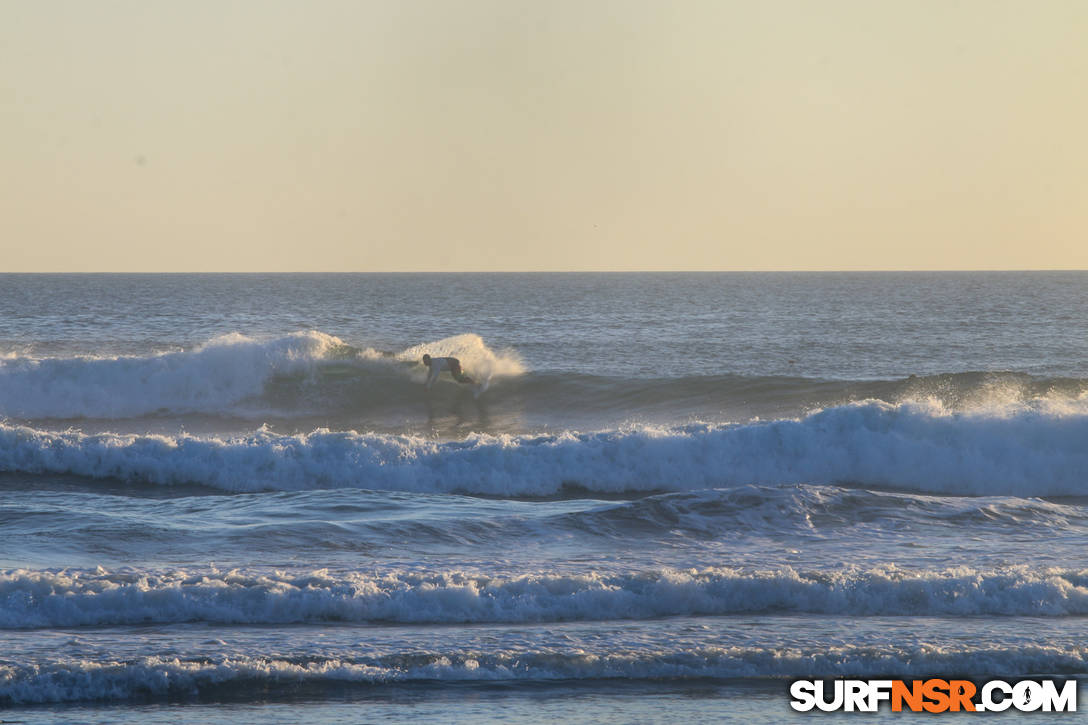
(481, 387)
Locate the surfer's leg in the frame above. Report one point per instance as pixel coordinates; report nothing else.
(458, 374)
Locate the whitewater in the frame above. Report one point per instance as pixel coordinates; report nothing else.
(232, 494)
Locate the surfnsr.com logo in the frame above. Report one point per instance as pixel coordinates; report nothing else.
(934, 695)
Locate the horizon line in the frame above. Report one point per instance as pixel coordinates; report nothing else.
(560, 271)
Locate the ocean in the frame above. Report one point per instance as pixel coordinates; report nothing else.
(230, 498)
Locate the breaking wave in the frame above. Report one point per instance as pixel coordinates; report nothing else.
(224, 375)
(313, 373)
(240, 677)
(1028, 451)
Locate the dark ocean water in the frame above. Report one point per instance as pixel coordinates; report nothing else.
(230, 498)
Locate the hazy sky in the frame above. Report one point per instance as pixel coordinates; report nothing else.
(401, 135)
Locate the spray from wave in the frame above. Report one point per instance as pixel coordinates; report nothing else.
(474, 355)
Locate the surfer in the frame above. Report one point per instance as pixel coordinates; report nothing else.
(438, 364)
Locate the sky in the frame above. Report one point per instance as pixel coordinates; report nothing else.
(507, 135)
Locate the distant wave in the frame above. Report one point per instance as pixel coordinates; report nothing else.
(69, 598)
(335, 526)
(350, 520)
(312, 373)
(1028, 450)
(303, 370)
(637, 396)
(259, 678)
(794, 510)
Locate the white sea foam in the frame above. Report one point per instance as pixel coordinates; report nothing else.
(36, 599)
(914, 446)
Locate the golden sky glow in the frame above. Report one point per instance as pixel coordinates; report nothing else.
(282, 135)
